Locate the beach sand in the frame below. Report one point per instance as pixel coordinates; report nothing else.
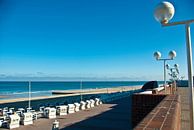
(67, 93)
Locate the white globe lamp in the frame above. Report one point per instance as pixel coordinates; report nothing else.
(176, 65)
(157, 55)
(164, 12)
(172, 54)
(167, 66)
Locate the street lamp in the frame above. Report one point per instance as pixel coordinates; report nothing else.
(174, 71)
(81, 90)
(157, 55)
(163, 13)
(176, 66)
(29, 95)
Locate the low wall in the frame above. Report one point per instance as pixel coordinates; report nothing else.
(142, 104)
(156, 112)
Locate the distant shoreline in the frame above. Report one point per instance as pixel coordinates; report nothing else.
(3, 96)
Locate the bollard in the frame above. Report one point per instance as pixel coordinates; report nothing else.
(55, 125)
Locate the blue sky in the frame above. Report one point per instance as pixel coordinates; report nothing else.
(89, 38)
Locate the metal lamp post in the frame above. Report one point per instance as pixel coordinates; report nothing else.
(176, 68)
(29, 95)
(81, 90)
(174, 72)
(157, 55)
(163, 13)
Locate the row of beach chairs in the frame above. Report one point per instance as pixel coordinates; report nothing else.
(10, 118)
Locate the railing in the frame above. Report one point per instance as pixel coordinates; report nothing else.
(115, 96)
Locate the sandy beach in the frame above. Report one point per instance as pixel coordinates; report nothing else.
(36, 102)
(67, 93)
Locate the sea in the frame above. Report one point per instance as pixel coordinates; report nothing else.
(20, 89)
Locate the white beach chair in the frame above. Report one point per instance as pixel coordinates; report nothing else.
(88, 104)
(28, 109)
(92, 102)
(27, 118)
(19, 113)
(71, 108)
(1, 121)
(97, 102)
(5, 112)
(1, 112)
(13, 121)
(41, 108)
(40, 114)
(82, 105)
(34, 115)
(62, 110)
(11, 110)
(50, 112)
(100, 102)
(45, 111)
(77, 107)
(21, 109)
(8, 114)
(5, 108)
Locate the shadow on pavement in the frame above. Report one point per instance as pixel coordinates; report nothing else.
(117, 118)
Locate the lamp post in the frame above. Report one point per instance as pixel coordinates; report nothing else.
(157, 55)
(174, 72)
(29, 95)
(163, 13)
(81, 88)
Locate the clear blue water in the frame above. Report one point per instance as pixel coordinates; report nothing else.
(20, 89)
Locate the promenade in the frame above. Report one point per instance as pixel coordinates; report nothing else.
(185, 114)
(114, 115)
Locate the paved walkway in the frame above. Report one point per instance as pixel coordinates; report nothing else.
(185, 121)
(112, 116)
